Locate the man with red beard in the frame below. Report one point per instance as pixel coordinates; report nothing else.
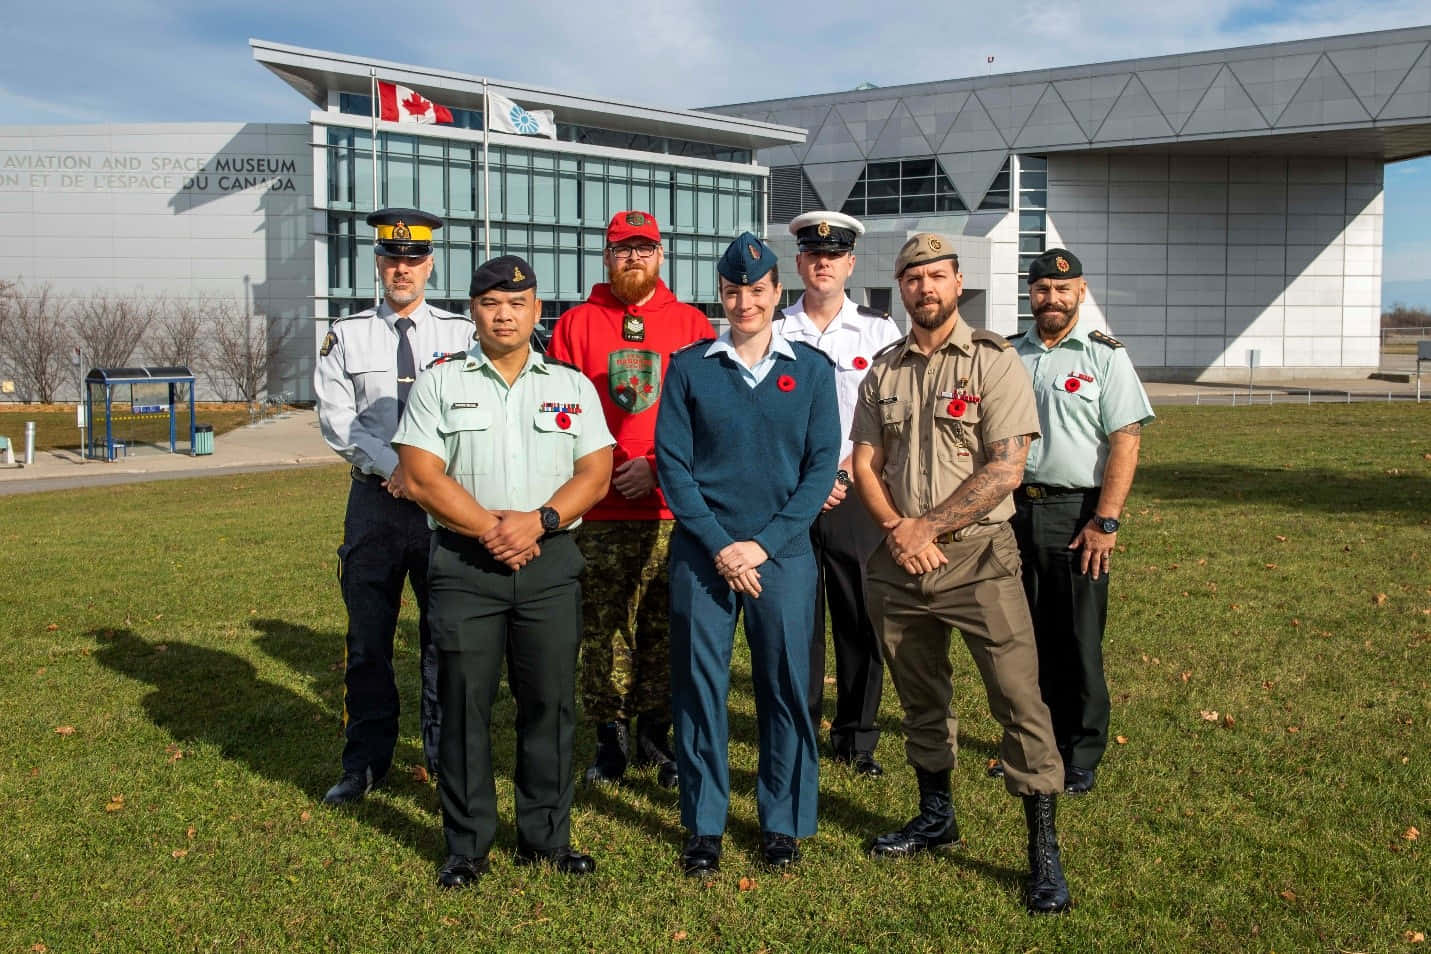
(622, 338)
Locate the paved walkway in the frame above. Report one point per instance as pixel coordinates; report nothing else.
(292, 440)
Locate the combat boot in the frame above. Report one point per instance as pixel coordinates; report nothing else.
(652, 748)
(1047, 890)
(613, 751)
(932, 828)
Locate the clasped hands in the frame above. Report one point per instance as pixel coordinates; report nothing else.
(737, 562)
(911, 543)
(513, 538)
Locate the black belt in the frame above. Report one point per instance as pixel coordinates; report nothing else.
(366, 478)
(453, 540)
(1040, 491)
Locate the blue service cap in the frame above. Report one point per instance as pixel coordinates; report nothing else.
(746, 260)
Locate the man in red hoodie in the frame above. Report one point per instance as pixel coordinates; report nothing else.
(622, 339)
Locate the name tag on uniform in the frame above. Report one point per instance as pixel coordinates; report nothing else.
(465, 404)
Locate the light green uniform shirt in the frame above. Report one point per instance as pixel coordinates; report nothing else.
(511, 448)
(1085, 390)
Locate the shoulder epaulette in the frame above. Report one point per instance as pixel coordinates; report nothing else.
(991, 338)
(365, 313)
(450, 315)
(889, 347)
(796, 345)
(869, 312)
(454, 356)
(1103, 339)
(699, 341)
(1015, 337)
(560, 363)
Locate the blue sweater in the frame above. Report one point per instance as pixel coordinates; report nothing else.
(741, 463)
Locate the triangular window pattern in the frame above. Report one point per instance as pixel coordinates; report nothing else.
(903, 187)
(791, 194)
(997, 195)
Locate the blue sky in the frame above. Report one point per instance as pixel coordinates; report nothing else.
(156, 60)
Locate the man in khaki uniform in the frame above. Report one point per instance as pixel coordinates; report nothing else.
(941, 431)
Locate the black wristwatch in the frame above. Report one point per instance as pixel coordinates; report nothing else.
(551, 520)
(843, 476)
(1106, 524)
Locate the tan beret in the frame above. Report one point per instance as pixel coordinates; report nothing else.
(924, 248)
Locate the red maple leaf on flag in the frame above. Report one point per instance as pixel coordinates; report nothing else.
(416, 105)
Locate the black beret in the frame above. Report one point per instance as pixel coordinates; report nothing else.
(1055, 263)
(504, 273)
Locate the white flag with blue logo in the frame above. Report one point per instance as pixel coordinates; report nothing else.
(508, 117)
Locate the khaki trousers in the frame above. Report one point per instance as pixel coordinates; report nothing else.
(978, 592)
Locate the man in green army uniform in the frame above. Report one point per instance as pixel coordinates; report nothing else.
(505, 450)
(1091, 410)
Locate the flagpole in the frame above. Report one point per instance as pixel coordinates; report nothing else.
(373, 91)
(486, 173)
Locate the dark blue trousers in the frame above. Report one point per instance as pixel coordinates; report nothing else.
(385, 541)
(777, 628)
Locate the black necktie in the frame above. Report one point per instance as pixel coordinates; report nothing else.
(406, 367)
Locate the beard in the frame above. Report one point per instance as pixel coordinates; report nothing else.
(634, 282)
(1051, 320)
(931, 320)
(402, 297)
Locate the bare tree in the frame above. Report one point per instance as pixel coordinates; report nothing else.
(176, 338)
(109, 327)
(35, 347)
(245, 348)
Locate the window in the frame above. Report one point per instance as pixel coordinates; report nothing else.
(903, 187)
(1033, 224)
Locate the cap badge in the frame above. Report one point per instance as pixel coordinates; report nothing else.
(400, 231)
(753, 249)
(636, 219)
(935, 245)
(823, 230)
(1061, 263)
(517, 275)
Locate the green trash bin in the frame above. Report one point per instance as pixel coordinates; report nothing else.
(203, 439)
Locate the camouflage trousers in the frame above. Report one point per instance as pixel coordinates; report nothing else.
(626, 639)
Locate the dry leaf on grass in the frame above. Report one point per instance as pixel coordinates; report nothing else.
(747, 884)
(1411, 834)
(1228, 721)
(1281, 539)
(420, 774)
(115, 804)
(1379, 599)
(52, 627)
(1269, 566)
(1293, 729)
(449, 922)
(189, 833)
(1414, 937)
(829, 680)
(1287, 894)
(41, 949)
(1121, 740)
(305, 816)
(679, 936)
(178, 852)
(175, 753)
(1185, 675)
(1210, 715)
(65, 730)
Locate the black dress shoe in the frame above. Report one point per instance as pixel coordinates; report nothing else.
(864, 764)
(458, 871)
(1077, 781)
(613, 752)
(702, 855)
(778, 851)
(563, 859)
(350, 788)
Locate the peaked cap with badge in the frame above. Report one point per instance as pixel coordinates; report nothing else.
(824, 231)
(509, 273)
(925, 248)
(1055, 263)
(403, 233)
(746, 260)
(634, 223)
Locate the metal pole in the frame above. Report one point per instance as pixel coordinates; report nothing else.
(29, 443)
(486, 173)
(373, 88)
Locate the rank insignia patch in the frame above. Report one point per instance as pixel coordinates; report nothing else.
(329, 340)
(633, 379)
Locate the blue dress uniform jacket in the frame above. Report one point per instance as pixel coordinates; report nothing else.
(385, 540)
(740, 463)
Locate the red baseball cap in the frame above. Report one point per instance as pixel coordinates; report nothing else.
(632, 224)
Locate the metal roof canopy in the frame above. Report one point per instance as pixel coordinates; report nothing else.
(314, 72)
(108, 379)
(138, 375)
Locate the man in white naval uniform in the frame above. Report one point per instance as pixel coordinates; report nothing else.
(366, 366)
(843, 534)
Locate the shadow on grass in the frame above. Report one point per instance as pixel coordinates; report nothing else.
(1301, 488)
(204, 695)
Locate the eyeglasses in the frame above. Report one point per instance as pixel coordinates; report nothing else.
(622, 253)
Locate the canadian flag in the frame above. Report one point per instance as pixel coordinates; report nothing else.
(399, 104)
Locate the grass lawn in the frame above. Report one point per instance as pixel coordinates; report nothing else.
(55, 424)
(171, 670)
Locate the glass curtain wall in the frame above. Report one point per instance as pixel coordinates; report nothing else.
(550, 208)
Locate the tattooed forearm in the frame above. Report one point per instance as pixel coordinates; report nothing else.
(1132, 430)
(984, 489)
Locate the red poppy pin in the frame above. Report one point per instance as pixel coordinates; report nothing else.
(957, 407)
(785, 383)
(860, 363)
(1072, 384)
(563, 420)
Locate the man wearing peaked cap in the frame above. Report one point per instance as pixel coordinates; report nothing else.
(942, 428)
(506, 450)
(622, 337)
(1091, 409)
(366, 366)
(843, 535)
(747, 444)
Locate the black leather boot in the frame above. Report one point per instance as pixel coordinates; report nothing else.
(652, 748)
(613, 751)
(1047, 890)
(932, 828)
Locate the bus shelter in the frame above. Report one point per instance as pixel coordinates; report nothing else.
(126, 408)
